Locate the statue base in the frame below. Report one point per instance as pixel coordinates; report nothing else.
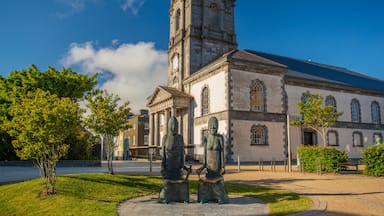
(212, 190)
(174, 191)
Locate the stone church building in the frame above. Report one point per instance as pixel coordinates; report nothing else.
(251, 93)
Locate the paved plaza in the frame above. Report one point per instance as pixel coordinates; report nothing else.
(346, 194)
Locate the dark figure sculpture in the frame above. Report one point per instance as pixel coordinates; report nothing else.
(212, 187)
(175, 187)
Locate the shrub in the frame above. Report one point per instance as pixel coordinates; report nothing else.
(373, 158)
(330, 158)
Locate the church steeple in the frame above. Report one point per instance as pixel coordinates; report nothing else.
(200, 31)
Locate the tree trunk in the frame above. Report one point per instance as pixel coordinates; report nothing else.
(110, 146)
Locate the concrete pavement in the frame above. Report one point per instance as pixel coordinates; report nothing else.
(22, 173)
(346, 194)
(334, 194)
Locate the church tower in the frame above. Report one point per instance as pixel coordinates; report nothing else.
(200, 32)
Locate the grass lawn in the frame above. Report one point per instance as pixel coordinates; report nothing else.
(99, 194)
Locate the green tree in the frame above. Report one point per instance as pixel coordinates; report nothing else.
(65, 84)
(39, 123)
(316, 115)
(81, 145)
(6, 149)
(107, 119)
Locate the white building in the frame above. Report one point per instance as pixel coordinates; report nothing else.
(252, 92)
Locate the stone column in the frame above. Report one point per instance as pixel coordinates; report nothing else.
(181, 128)
(156, 131)
(151, 129)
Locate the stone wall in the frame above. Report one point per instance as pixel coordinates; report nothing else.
(343, 127)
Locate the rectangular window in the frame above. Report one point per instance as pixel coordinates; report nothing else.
(357, 139)
(146, 140)
(332, 138)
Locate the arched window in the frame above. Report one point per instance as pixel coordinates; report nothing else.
(357, 139)
(331, 101)
(332, 138)
(355, 111)
(257, 96)
(177, 20)
(259, 135)
(375, 112)
(205, 101)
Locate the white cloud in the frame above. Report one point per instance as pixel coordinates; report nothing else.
(136, 68)
(75, 6)
(133, 5)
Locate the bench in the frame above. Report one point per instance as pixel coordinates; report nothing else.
(349, 166)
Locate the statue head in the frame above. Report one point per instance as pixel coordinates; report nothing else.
(173, 125)
(213, 125)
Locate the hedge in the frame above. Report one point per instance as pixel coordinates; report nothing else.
(330, 158)
(373, 158)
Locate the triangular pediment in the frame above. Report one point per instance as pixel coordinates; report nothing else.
(158, 96)
(163, 93)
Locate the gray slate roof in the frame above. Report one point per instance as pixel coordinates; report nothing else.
(309, 70)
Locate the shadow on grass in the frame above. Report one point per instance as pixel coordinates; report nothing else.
(152, 183)
(107, 188)
(263, 193)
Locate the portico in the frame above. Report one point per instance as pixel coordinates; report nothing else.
(164, 103)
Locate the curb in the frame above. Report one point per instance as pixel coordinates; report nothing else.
(318, 207)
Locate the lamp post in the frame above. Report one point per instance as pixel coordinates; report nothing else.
(101, 147)
(289, 145)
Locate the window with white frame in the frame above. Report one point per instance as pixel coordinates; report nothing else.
(375, 112)
(355, 111)
(332, 138)
(259, 135)
(205, 101)
(331, 101)
(357, 139)
(257, 96)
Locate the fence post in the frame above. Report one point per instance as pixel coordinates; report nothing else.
(238, 163)
(302, 170)
(150, 151)
(273, 165)
(319, 166)
(261, 164)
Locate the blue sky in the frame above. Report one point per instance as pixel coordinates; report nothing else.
(126, 40)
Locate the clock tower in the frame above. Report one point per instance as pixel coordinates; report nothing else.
(200, 32)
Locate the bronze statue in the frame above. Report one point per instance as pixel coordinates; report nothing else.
(212, 187)
(175, 187)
